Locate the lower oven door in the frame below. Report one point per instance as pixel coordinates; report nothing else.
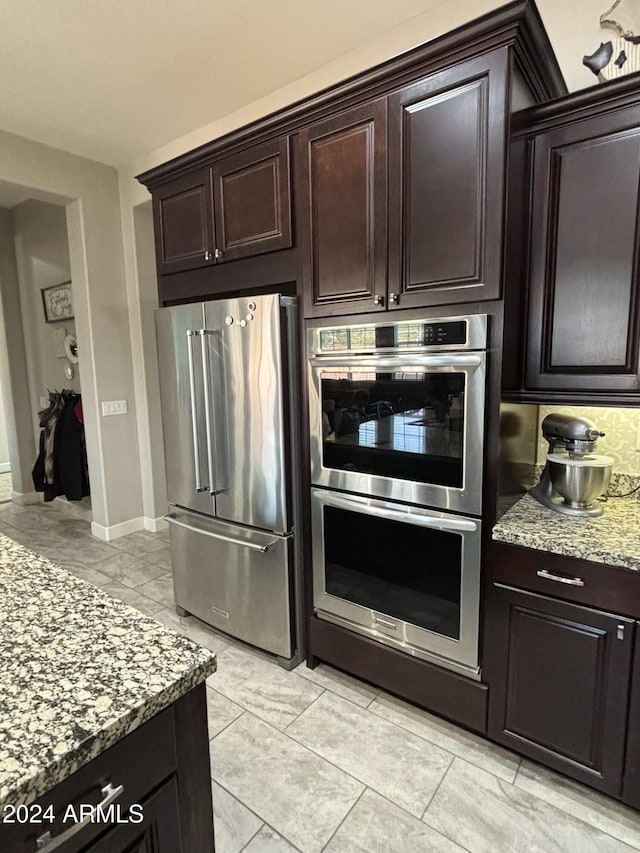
(405, 576)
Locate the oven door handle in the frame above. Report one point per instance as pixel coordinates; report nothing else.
(456, 525)
(397, 362)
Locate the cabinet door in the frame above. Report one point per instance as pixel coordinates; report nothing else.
(583, 305)
(559, 683)
(344, 212)
(447, 184)
(183, 221)
(631, 785)
(252, 200)
(156, 828)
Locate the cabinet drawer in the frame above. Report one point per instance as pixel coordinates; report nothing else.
(139, 762)
(594, 584)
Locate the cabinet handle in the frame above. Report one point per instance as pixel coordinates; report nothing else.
(548, 576)
(385, 623)
(394, 298)
(252, 545)
(208, 256)
(110, 794)
(378, 300)
(218, 254)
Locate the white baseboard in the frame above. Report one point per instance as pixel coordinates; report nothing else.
(155, 525)
(5, 467)
(115, 531)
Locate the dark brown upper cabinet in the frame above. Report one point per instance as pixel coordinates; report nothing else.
(403, 197)
(237, 207)
(344, 211)
(447, 140)
(582, 158)
(183, 222)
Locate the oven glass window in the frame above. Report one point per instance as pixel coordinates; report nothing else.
(405, 424)
(409, 572)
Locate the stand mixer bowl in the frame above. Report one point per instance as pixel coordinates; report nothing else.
(582, 480)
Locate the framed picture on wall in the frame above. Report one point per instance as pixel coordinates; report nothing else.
(58, 302)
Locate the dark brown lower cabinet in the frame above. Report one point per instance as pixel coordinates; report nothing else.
(631, 783)
(161, 777)
(158, 832)
(559, 677)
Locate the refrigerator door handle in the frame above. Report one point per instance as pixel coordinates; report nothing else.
(252, 545)
(206, 373)
(194, 412)
(213, 390)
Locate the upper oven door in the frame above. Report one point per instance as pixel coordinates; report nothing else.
(404, 426)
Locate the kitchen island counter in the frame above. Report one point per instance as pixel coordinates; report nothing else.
(612, 538)
(78, 672)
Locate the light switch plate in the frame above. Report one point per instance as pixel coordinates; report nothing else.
(114, 407)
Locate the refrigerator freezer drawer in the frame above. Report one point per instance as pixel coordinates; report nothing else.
(235, 579)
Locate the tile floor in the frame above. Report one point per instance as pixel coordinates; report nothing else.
(6, 487)
(319, 761)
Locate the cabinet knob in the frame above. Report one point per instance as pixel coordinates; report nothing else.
(393, 298)
(378, 300)
(218, 254)
(208, 256)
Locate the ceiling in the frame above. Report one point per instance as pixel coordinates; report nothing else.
(115, 80)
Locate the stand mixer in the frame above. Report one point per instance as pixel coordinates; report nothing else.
(574, 476)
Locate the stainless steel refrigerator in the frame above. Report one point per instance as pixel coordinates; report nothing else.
(230, 417)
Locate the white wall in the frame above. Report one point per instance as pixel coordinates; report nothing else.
(89, 191)
(5, 464)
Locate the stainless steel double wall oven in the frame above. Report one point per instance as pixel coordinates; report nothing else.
(397, 424)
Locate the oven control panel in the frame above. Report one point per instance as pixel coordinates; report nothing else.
(454, 332)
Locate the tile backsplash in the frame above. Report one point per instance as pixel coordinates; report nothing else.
(621, 428)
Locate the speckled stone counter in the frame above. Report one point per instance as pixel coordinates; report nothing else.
(612, 538)
(78, 671)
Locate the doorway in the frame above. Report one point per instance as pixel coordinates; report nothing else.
(41, 355)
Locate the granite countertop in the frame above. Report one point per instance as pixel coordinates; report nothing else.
(612, 538)
(78, 671)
